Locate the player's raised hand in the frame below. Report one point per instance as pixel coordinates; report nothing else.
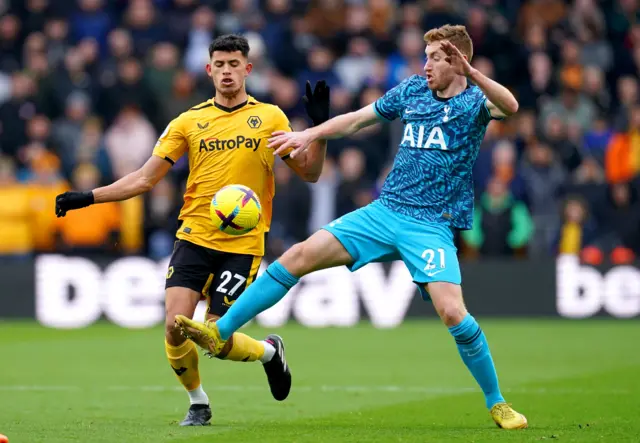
(282, 142)
(316, 103)
(460, 65)
(72, 200)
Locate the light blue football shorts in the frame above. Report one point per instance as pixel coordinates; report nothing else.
(375, 233)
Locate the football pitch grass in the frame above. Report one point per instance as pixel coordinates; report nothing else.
(577, 381)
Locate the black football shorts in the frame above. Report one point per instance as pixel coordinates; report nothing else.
(218, 276)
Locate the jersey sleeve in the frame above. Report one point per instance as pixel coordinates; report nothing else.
(172, 144)
(483, 114)
(390, 106)
(281, 123)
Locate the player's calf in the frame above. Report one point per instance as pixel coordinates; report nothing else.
(183, 355)
(470, 340)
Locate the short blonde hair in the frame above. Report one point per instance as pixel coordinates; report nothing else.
(456, 34)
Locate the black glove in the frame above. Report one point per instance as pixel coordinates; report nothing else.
(72, 200)
(317, 103)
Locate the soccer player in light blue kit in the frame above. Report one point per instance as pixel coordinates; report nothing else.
(428, 193)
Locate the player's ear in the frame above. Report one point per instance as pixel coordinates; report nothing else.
(208, 69)
(249, 68)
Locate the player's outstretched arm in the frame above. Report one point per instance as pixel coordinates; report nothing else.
(127, 187)
(338, 127)
(345, 124)
(136, 183)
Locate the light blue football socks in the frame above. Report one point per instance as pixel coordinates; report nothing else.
(474, 350)
(265, 292)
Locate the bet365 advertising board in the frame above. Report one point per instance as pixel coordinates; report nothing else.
(73, 292)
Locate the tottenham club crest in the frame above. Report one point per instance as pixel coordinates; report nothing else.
(447, 109)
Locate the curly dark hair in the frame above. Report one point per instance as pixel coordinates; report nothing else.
(230, 43)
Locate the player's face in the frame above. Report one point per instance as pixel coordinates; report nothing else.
(228, 71)
(439, 72)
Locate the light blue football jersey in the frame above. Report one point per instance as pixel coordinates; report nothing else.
(431, 179)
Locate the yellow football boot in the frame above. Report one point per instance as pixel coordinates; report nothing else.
(205, 335)
(507, 418)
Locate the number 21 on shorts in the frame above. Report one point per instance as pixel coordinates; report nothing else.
(430, 256)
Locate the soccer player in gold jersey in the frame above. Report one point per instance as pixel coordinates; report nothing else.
(225, 139)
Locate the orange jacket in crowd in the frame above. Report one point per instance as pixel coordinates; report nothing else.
(622, 159)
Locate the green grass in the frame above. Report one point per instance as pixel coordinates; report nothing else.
(575, 381)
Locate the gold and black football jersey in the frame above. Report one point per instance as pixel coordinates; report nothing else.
(225, 146)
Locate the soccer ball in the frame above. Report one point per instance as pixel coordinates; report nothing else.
(235, 210)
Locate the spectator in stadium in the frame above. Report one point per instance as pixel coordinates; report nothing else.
(146, 25)
(36, 15)
(595, 89)
(68, 78)
(621, 221)
(578, 228)
(505, 168)
(597, 139)
(161, 219)
(557, 135)
(56, 30)
(410, 47)
(16, 112)
(544, 178)
(120, 48)
(320, 63)
(162, 68)
(572, 107)
(291, 211)
(180, 95)
(324, 196)
(92, 149)
(259, 82)
(198, 39)
(130, 128)
(589, 26)
(356, 65)
(547, 13)
(285, 94)
(628, 96)
(10, 54)
(67, 131)
(130, 88)
(178, 20)
(439, 13)
(588, 182)
(37, 145)
(622, 159)
(90, 54)
(354, 191)
(539, 83)
(484, 166)
(92, 20)
(326, 17)
(501, 224)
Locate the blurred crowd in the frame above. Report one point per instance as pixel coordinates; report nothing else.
(86, 87)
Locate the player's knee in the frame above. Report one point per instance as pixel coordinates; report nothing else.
(171, 332)
(447, 299)
(297, 259)
(452, 313)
